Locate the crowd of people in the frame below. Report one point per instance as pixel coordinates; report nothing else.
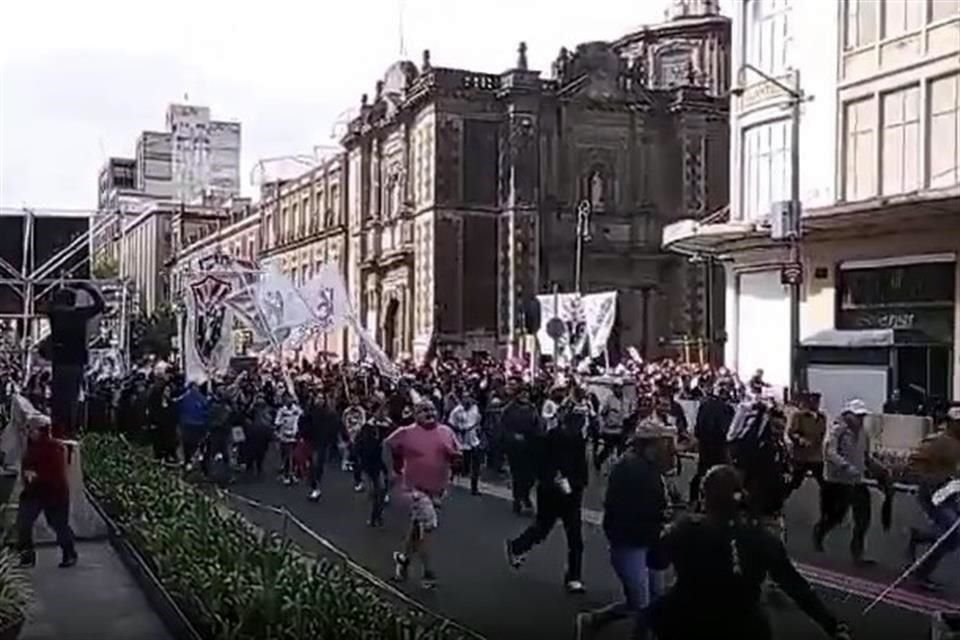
(553, 432)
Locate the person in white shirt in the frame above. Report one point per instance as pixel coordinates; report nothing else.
(613, 414)
(465, 421)
(287, 424)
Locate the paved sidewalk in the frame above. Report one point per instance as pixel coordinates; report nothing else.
(98, 599)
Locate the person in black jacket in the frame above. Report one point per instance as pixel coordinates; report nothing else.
(320, 427)
(68, 353)
(520, 425)
(368, 448)
(721, 561)
(561, 478)
(634, 511)
(713, 421)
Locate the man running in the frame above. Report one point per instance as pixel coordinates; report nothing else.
(424, 453)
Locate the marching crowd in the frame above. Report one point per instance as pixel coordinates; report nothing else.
(458, 417)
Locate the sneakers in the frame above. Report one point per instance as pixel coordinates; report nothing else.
(401, 566)
(515, 560)
(69, 560)
(374, 524)
(358, 488)
(314, 495)
(429, 580)
(28, 559)
(575, 586)
(924, 583)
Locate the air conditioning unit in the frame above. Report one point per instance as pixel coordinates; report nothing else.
(784, 220)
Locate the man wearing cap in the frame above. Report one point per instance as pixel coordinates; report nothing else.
(847, 461)
(935, 462)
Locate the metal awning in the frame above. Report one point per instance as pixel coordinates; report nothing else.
(891, 214)
(867, 339)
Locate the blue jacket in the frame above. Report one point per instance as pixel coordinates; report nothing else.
(193, 409)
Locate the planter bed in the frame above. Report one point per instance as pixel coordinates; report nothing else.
(228, 580)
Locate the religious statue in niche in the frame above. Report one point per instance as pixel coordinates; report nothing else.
(597, 189)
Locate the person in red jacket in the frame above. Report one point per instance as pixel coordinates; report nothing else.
(45, 489)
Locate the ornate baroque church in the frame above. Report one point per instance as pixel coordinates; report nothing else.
(463, 188)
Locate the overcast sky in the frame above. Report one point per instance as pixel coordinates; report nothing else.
(80, 80)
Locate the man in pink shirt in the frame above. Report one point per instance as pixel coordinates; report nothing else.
(424, 453)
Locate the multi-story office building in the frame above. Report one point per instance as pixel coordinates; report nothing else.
(879, 174)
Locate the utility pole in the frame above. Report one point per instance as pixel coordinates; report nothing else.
(584, 209)
(790, 228)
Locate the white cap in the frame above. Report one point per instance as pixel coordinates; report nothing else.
(857, 407)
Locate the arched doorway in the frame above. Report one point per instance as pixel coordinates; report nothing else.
(391, 331)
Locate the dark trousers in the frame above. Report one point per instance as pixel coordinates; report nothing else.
(58, 517)
(355, 463)
(942, 518)
(522, 476)
(254, 453)
(65, 392)
(378, 493)
(609, 442)
(471, 467)
(320, 454)
(836, 500)
(165, 442)
(553, 505)
(800, 471)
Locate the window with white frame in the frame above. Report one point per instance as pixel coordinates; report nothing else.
(902, 16)
(862, 18)
(901, 141)
(766, 168)
(943, 151)
(860, 141)
(941, 9)
(768, 38)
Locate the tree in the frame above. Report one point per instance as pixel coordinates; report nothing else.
(153, 334)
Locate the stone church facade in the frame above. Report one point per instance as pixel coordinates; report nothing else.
(462, 188)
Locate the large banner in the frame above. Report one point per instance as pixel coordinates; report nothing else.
(209, 328)
(586, 321)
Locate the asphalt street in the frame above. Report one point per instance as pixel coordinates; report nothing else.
(479, 590)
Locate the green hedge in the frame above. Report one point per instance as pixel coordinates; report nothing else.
(231, 581)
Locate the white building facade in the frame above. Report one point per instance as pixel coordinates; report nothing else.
(879, 164)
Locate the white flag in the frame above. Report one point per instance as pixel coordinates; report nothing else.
(372, 352)
(280, 304)
(326, 299)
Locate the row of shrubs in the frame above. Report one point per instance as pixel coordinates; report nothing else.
(232, 581)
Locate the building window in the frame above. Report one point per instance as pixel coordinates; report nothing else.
(766, 168)
(860, 134)
(335, 204)
(768, 35)
(943, 151)
(901, 141)
(941, 9)
(902, 16)
(674, 68)
(861, 23)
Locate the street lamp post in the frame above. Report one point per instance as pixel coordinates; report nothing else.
(792, 232)
(583, 235)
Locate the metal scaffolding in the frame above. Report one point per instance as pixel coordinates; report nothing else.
(32, 281)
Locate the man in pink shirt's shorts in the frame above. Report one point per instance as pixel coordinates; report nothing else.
(424, 453)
